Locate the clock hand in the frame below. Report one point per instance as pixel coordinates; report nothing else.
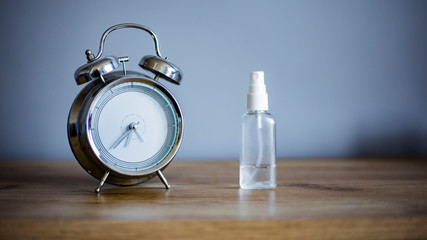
(138, 135)
(125, 134)
(129, 138)
(134, 127)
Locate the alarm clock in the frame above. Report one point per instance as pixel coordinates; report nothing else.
(125, 127)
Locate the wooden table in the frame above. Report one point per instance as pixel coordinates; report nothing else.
(315, 199)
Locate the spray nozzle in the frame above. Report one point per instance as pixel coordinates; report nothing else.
(257, 96)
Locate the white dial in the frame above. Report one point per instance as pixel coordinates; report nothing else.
(133, 126)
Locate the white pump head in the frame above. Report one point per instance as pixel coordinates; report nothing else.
(257, 96)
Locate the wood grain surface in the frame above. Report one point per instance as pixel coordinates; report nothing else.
(315, 199)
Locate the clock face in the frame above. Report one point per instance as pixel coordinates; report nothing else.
(132, 126)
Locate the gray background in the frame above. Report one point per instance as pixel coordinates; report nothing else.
(345, 78)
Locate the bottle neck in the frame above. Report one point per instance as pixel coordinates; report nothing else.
(257, 111)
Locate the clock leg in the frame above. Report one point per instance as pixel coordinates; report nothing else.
(101, 183)
(163, 179)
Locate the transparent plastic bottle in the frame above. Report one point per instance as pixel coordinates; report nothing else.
(258, 139)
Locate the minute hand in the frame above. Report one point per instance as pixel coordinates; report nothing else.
(125, 134)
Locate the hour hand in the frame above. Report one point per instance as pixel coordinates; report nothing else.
(134, 128)
(125, 134)
(138, 135)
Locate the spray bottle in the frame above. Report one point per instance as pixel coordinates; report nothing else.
(258, 139)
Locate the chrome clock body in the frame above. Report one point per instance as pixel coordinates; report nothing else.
(124, 127)
(83, 140)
